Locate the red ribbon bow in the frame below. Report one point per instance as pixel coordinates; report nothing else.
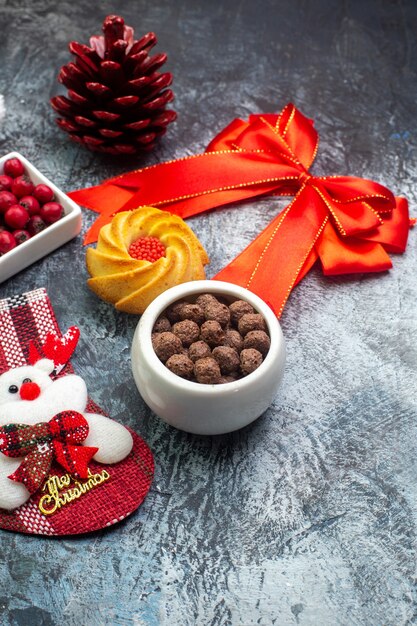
(41, 443)
(349, 223)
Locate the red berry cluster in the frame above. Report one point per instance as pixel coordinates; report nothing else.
(147, 249)
(25, 209)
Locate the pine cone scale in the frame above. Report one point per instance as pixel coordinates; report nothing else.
(81, 50)
(148, 41)
(61, 104)
(139, 125)
(68, 126)
(158, 102)
(66, 78)
(87, 66)
(165, 118)
(76, 72)
(110, 134)
(77, 98)
(138, 83)
(100, 90)
(150, 64)
(93, 141)
(112, 74)
(155, 88)
(133, 63)
(124, 102)
(162, 81)
(85, 121)
(106, 116)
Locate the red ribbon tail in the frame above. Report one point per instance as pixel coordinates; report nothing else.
(282, 254)
(393, 232)
(105, 199)
(74, 459)
(102, 197)
(350, 255)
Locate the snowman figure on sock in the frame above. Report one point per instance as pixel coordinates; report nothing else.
(29, 396)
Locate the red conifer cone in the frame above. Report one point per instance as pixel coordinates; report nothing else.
(116, 96)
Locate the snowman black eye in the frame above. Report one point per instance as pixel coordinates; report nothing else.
(13, 389)
(27, 380)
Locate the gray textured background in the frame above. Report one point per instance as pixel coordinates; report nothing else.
(309, 515)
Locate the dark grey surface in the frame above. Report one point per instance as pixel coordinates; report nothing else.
(309, 515)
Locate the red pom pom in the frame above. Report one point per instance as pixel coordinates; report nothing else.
(29, 391)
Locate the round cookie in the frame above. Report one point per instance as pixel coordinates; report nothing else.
(132, 283)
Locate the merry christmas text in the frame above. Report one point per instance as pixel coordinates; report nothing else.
(61, 490)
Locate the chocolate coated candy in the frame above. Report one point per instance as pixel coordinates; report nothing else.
(227, 358)
(207, 371)
(162, 325)
(181, 365)
(259, 340)
(250, 360)
(187, 331)
(199, 350)
(239, 308)
(212, 333)
(165, 345)
(250, 321)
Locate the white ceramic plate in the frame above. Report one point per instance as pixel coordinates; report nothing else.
(47, 240)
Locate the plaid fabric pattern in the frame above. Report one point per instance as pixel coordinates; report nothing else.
(110, 492)
(41, 443)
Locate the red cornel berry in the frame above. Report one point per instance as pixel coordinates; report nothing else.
(31, 204)
(7, 242)
(21, 236)
(16, 216)
(51, 212)
(43, 193)
(14, 167)
(7, 199)
(147, 249)
(36, 225)
(22, 186)
(5, 182)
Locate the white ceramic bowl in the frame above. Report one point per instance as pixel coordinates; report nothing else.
(199, 408)
(47, 240)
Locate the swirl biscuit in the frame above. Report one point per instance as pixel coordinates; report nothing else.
(140, 254)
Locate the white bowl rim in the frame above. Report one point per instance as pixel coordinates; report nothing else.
(184, 290)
